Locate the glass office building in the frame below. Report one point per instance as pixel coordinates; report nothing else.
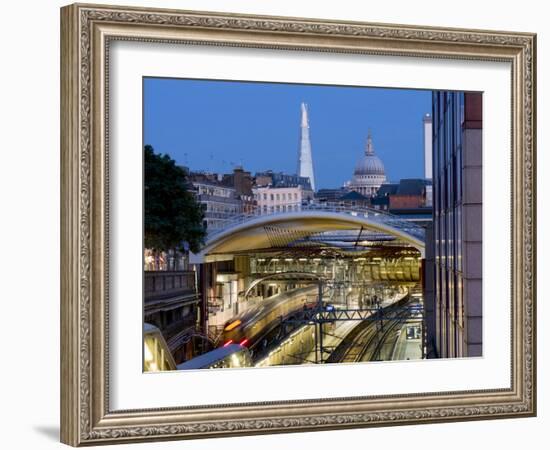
(455, 258)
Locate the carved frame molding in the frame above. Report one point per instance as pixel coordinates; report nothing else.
(86, 32)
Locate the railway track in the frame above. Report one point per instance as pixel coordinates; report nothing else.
(380, 341)
(365, 342)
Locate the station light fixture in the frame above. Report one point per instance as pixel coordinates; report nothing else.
(148, 354)
(235, 361)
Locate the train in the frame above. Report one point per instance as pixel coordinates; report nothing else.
(250, 326)
(229, 356)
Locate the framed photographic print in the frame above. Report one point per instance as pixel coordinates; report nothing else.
(276, 224)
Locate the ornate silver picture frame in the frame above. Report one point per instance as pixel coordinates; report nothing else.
(87, 33)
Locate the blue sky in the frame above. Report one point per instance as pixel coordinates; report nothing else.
(214, 125)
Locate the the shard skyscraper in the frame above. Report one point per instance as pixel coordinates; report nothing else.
(305, 160)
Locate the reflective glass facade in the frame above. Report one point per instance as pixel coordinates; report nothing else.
(457, 197)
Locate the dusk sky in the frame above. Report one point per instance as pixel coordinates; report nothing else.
(215, 125)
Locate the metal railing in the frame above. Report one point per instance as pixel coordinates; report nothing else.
(374, 215)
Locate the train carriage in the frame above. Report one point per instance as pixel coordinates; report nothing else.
(247, 328)
(229, 356)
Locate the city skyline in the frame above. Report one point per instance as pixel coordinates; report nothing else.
(257, 126)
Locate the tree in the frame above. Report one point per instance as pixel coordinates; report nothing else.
(173, 217)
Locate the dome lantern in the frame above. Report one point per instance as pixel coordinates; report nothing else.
(369, 150)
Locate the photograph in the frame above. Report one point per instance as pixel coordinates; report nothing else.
(290, 224)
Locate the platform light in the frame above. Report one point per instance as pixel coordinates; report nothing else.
(148, 354)
(235, 360)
